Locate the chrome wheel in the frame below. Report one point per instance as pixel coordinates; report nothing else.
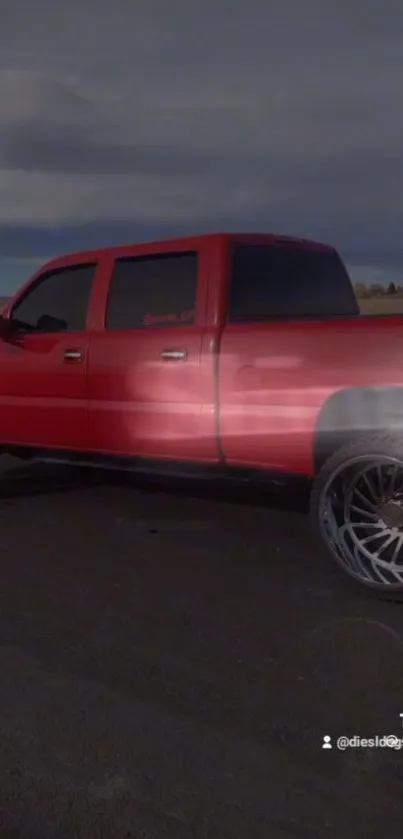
(361, 518)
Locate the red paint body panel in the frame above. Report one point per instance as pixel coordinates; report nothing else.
(275, 379)
(143, 406)
(247, 394)
(43, 400)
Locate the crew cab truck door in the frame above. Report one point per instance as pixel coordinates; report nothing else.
(43, 361)
(270, 391)
(149, 395)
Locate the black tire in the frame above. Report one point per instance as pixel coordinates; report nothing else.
(351, 459)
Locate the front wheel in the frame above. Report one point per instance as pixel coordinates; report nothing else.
(357, 511)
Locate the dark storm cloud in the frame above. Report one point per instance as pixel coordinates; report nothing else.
(134, 120)
(37, 148)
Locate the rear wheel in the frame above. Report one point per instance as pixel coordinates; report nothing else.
(357, 511)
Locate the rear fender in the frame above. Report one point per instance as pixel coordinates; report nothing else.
(352, 412)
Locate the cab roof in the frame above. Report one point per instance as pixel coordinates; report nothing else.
(186, 243)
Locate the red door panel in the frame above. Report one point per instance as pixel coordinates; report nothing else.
(148, 394)
(43, 395)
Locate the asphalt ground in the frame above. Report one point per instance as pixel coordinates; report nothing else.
(171, 658)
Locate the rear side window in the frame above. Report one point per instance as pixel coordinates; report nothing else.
(270, 282)
(149, 291)
(58, 301)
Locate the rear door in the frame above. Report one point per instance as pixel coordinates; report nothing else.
(43, 372)
(147, 387)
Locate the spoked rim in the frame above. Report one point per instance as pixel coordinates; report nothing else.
(361, 519)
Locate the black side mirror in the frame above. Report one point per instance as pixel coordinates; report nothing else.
(7, 329)
(47, 323)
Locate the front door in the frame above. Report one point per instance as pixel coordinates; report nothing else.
(43, 368)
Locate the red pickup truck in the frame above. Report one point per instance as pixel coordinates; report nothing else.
(243, 354)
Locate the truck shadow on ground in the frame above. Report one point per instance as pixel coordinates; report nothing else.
(26, 481)
(47, 479)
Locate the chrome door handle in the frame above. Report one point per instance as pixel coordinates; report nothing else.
(174, 355)
(74, 355)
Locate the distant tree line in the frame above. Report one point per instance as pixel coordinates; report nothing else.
(364, 291)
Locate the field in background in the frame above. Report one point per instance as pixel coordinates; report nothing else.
(381, 306)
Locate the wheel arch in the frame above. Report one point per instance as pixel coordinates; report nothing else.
(353, 411)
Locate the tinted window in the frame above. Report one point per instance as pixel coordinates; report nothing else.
(153, 291)
(286, 282)
(58, 301)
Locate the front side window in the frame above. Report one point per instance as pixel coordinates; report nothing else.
(58, 301)
(269, 282)
(158, 290)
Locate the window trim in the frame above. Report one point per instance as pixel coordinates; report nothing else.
(41, 278)
(147, 257)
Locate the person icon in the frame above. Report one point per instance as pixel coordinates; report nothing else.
(327, 742)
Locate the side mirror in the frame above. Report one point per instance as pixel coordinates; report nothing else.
(47, 323)
(7, 328)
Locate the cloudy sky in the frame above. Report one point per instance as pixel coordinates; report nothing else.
(129, 120)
